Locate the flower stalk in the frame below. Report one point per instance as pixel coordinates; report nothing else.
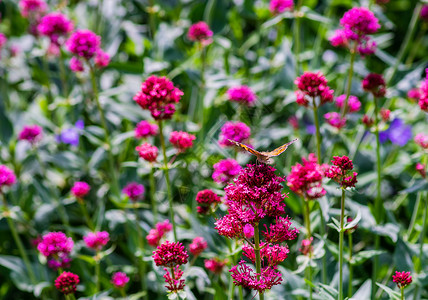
(168, 183)
(341, 235)
(152, 193)
(351, 268)
(350, 75)
(257, 254)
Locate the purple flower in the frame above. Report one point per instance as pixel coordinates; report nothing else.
(71, 135)
(398, 133)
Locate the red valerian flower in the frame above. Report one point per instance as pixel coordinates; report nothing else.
(335, 120)
(200, 32)
(307, 247)
(134, 191)
(7, 176)
(119, 280)
(31, 133)
(215, 265)
(235, 131)
(145, 129)
(207, 200)
(310, 86)
(280, 6)
(174, 282)
(80, 189)
(170, 254)
(225, 170)
(422, 140)
(147, 152)
(338, 171)
(198, 245)
(359, 21)
(241, 94)
(67, 282)
(157, 233)
(84, 43)
(96, 240)
(402, 279)
(367, 121)
(181, 140)
(375, 84)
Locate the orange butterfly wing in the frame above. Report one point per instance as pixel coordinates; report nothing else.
(248, 149)
(280, 149)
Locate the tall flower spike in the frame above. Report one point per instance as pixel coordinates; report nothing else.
(67, 282)
(402, 279)
(170, 255)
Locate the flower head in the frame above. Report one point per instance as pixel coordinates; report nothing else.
(31, 133)
(339, 170)
(424, 13)
(366, 47)
(96, 240)
(235, 131)
(32, 9)
(159, 95)
(71, 135)
(422, 140)
(354, 104)
(80, 189)
(225, 170)
(280, 231)
(198, 245)
(200, 32)
(7, 176)
(84, 43)
(55, 26)
(307, 247)
(241, 94)
(310, 86)
(215, 265)
(367, 121)
(339, 38)
(421, 169)
(76, 65)
(335, 120)
(375, 84)
(181, 140)
(145, 129)
(157, 233)
(66, 283)
(56, 246)
(244, 276)
(119, 280)
(134, 191)
(306, 179)
(248, 231)
(359, 21)
(174, 283)
(414, 94)
(147, 152)
(102, 59)
(170, 254)
(402, 279)
(385, 113)
(207, 200)
(280, 6)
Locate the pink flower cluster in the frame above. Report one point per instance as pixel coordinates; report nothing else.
(354, 104)
(241, 94)
(306, 179)
(422, 140)
(159, 95)
(145, 129)
(280, 6)
(375, 84)
(80, 189)
(357, 23)
(385, 114)
(423, 100)
(3, 40)
(338, 171)
(235, 131)
(31, 133)
(119, 280)
(157, 233)
(225, 170)
(311, 86)
(134, 191)
(32, 9)
(7, 177)
(424, 13)
(200, 32)
(254, 195)
(67, 282)
(420, 168)
(335, 120)
(402, 279)
(56, 246)
(215, 265)
(96, 240)
(208, 200)
(198, 245)
(306, 246)
(172, 256)
(181, 140)
(55, 26)
(148, 152)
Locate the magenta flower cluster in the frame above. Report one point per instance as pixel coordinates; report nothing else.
(119, 280)
(96, 240)
(254, 195)
(7, 177)
(225, 170)
(56, 247)
(375, 84)
(148, 152)
(198, 245)
(200, 32)
(67, 282)
(55, 26)
(134, 191)
(354, 104)
(402, 279)
(312, 86)
(306, 179)
(235, 131)
(422, 140)
(157, 233)
(241, 94)
(80, 189)
(145, 129)
(181, 140)
(280, 6)
(31, 133)
(207, 200)
(159, 95)
(339, 171)
(32, 9)
(215, 265)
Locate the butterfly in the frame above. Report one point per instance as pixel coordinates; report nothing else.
(262, 156)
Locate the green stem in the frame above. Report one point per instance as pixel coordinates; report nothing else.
(378, 203)
(405, 45)
(342, 217)
(308, 236)
(318, 135)
(257, 253)
(168, 183)
(152, 194)
(322, 30)
(416, 46)
(112, 171)
(351, 268)
(375, 267)
(324, 258)
(122, 293)
(152, 19)
(350, 74)
(414, 214)
(86, 215)
(141, 262)
(63, 74)
(297, 35)
(402, 293)
(18, 241)
(97, 274)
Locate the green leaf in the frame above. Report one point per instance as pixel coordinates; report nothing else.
(362, 256)
(393, 295)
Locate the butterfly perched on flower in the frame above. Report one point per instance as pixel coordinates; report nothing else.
(262, 156)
